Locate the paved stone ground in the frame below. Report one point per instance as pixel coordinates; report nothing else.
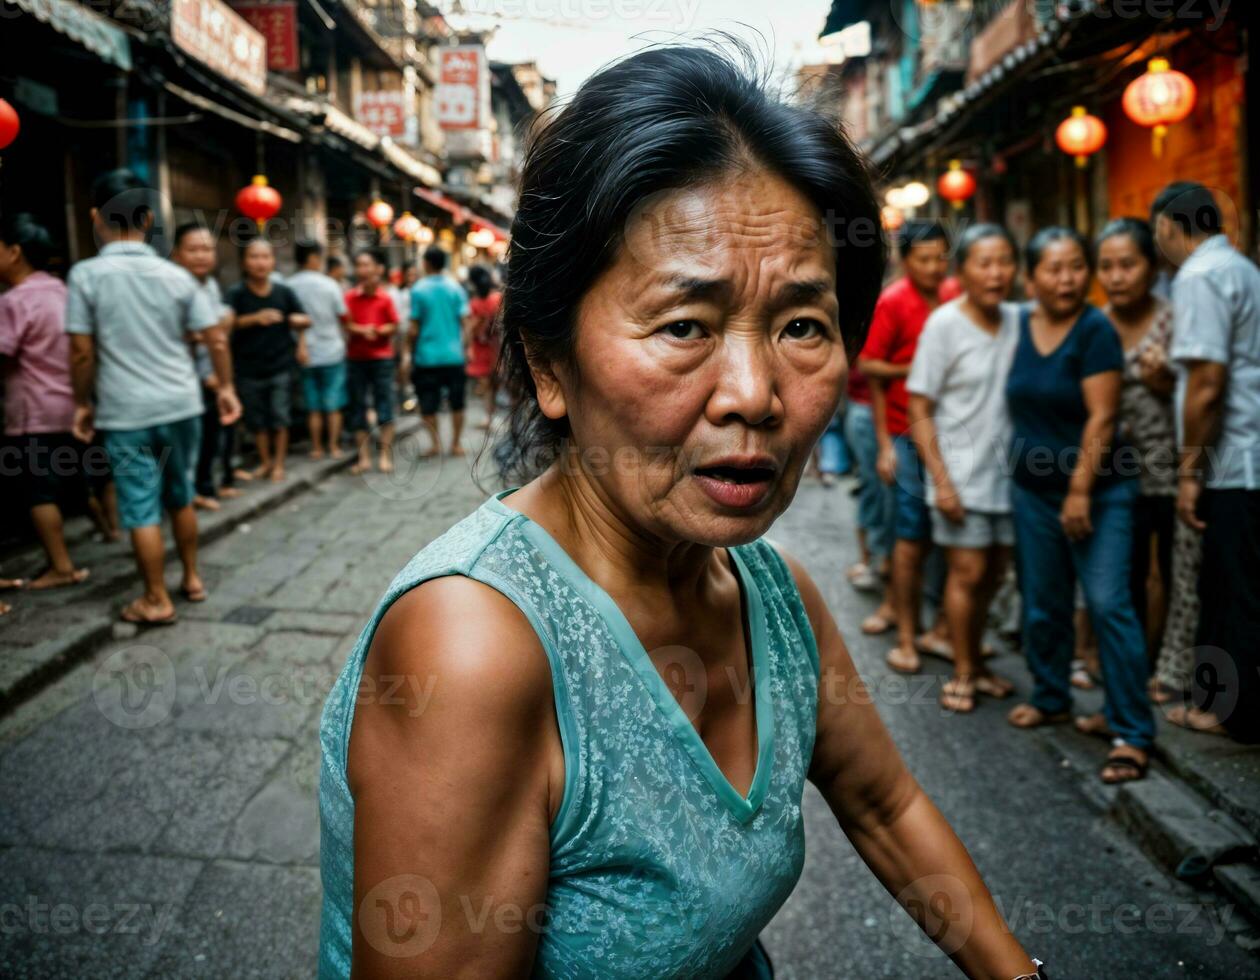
(178, 836)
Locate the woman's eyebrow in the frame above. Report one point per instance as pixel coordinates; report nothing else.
(804, 291)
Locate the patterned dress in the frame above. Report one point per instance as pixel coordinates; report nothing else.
(659, 867)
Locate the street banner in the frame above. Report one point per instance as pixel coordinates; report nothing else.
(216, 35)
(463, 86)
(384, 113)
(278, 23)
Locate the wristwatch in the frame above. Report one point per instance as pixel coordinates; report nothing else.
(1039, 975)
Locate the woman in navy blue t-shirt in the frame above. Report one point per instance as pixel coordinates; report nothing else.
(1073, 500)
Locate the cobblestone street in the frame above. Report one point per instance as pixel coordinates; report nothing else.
(168, 827)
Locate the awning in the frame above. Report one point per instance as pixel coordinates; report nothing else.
(458, 212)
(77, 22)
(240, 118)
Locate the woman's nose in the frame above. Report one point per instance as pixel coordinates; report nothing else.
(746, 385)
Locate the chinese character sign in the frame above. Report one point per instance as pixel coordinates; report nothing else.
(215, 34)
(463, 86)
(384, 113)
(277, 22)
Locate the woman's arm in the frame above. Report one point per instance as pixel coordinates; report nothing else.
(453, 767)
(923, 431)
(899, 833)
(1102, 401)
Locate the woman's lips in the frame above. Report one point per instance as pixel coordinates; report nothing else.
(736, 487)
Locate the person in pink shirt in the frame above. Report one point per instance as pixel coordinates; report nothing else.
(39, 403)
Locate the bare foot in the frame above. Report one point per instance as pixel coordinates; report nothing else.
(958, 695)
(243, 475)
(316, 453)
(193, 589)
(1184, 716)
(52, 579)
(205, 503)
(277, 474)
(1028, 716)
(935, 645)
(361, 466)
(1095, 725)
(335, 453)
(8, 584)
(457, 450)
(262, 472)
(903, 661)
(147, 613)
(994, 685)
(385, 464)
(880, 621)
(231, 493)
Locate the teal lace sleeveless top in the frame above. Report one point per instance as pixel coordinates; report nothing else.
(659, 867)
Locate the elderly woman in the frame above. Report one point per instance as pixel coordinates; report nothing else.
(573, 739)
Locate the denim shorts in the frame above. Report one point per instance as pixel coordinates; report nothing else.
(876, 500)
(913, 519)
(324, 387)
(266, 403)
(977, 530)
(153, 469)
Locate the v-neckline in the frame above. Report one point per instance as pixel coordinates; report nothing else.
(743, 808)
(1032, 338)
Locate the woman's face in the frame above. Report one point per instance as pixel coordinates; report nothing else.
(1060, 280)
(1124, 273)
(708, 361)
(10, 260)
(988, 271)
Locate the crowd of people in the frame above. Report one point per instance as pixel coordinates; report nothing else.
(124, 384)
(1110, 453)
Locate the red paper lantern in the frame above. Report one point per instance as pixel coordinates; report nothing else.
(1081, 135)
(1158, 99)
(891, 218)
(379, 214)
(258, 201)
(407, 226)
(956, 185)
(10, 124)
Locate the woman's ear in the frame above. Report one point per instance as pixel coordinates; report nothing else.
(551, 400)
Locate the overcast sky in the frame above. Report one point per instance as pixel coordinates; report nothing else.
(570, 39)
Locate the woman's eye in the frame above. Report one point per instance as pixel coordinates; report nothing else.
(804, 328)
(684, 329)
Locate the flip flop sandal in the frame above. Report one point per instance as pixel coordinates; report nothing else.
(1045, 719)
(1124, 763)
(141, 621)
(197, 595)
(934, 646)
(875, 624)
(890, 659)
(963, 697)
(992, 686)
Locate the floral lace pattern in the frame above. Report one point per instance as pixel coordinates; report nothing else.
(652, 874)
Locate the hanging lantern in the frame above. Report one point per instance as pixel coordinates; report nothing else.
(379, 214)
(407, 226)
(891, 217)
(1081, 135)
(10, 124)
(258, 201)
(956, 185)
(423, 236)
(481, 238)
(1158, 99)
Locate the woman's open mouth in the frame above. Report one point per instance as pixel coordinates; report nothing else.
(737, 484)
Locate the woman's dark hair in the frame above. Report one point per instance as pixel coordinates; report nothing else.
(1137, 231)
(1041, 241)
(481, 279)
(34, 239)
(668, 118)
(978, 233)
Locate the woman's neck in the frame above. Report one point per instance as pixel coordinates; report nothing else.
(1055, 321)
(1133, 315)
(616, 553)
(987, 317)
(260, 287)
(19, 275)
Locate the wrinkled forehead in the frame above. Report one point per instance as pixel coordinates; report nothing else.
(755, 221)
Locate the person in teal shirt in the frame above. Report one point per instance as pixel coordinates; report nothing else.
(573, 739)
(439, 307)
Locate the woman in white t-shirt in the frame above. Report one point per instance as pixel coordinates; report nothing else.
(959, 422)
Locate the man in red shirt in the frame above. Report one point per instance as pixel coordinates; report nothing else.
(373, 321)
(900, 314)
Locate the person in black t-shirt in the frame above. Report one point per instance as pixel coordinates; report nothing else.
(265, 353)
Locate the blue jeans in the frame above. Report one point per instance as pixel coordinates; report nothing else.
(1048, 565)
(833, 454)
(875, 498)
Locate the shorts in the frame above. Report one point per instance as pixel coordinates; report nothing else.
(324, 387)
(373, 380)
(54, 467)
(266, 403)
(912, 520)
(153, 469)
(978, 530)
(430, 382)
